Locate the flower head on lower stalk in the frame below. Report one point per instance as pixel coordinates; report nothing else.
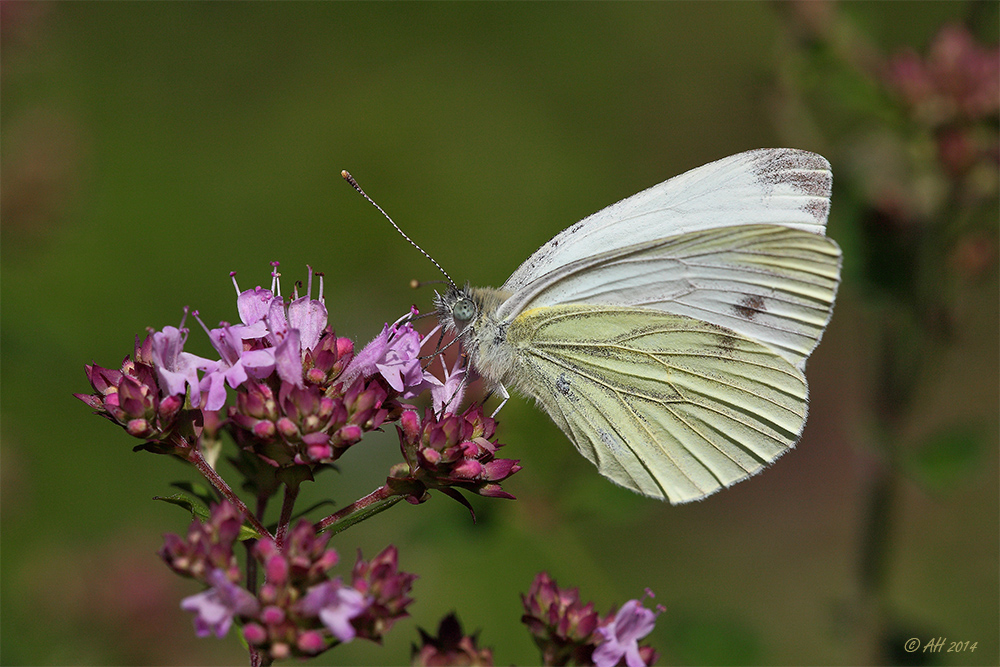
(566, 630)
(561, 625)
(207, 547)
(299, 610)
(387, 590)
(450, 647)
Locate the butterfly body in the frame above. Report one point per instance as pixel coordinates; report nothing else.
(667, 334)
(483, 335)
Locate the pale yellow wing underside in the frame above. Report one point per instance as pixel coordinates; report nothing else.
(666, 405)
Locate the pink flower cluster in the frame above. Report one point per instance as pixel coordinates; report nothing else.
(449, 452)
(957, 79)
(954, 91)
(299, 610)
(303, 397)
(567, 630)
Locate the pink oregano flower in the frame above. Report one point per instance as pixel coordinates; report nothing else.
(395, 355)
(447, 394)
(177, 370)
(335, 604)
(273, 336)
(215, 608)
(621, 636)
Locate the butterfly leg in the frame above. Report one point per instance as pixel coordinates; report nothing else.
(505, 395)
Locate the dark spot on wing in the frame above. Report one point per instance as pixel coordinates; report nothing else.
(749, 306)
(818, 208)
(610, 441)
(725, 342)
(806, 172)
(562, 385)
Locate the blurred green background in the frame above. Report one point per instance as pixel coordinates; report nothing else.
(150, 149)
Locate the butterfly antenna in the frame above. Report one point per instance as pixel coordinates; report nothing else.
(354, 184)
(417, 284)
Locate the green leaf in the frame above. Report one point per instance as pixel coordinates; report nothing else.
(200, 510)
(202, 492)
(361, 515)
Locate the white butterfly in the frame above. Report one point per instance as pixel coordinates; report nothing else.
(667, 335)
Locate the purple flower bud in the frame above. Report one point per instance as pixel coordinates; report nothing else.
(286, 427)
(350, 433)
(311, 642)
(270, 594)
(280, 651)
(276, 569)
(139, 428)
(467, 469)
(409, 423)
(272, 615)
(254, 633)
(319, 452)
(169, 407)
(325, 363)
(207, 547)
(264, 430)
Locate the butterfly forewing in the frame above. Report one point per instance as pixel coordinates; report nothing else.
(773, 284)
(777, 186)
(663, 404)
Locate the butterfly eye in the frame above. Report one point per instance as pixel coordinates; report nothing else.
(463, 310)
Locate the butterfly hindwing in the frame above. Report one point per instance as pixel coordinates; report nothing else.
(666, 405)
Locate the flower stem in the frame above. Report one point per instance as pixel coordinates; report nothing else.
(377, 501)
(199, 462)
(288, 502)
